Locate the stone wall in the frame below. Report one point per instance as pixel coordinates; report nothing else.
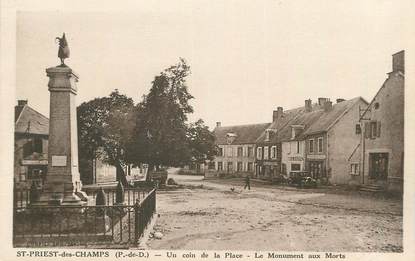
(342, 141)
(389, 112)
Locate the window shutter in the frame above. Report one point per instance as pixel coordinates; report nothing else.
(358, 129)
(378, 130)
(367, 130)
(374, 129)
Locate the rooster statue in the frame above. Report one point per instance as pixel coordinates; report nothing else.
(63, 52)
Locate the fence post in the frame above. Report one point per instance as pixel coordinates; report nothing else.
(136, 221)
(155, 201)
(14, 194)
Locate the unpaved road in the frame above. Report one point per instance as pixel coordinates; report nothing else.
(213, 217)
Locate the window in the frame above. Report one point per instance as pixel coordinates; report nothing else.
(37, 145)
(354, 169)
(267, 135)
(239, 152)
(239, 166)
(376, 105)
(320, 144)
(311, 146)
(372, 129)
(250, 166)
(220, 166)
(266, 152)
(27, 149)
(298, 147)
(33, 145)
(292, 133)
(358, 129)
(259, 153)
(220, 152)
(230, 166)
(295, 167)
(249, 151)
(230, 152)
(273, 152)
(211, 165)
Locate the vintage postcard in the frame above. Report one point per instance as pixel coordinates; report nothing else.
(207, 130)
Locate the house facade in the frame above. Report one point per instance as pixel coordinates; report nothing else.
(379, 158)
(236, 150)
(292, 138)
(330, 140)
(268, 151)
(31, 132)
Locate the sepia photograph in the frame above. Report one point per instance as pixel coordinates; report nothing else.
(269, 125)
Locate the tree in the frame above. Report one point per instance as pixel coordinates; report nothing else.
(105, 126)
(161, 130)
(162, 136)
(201, 142)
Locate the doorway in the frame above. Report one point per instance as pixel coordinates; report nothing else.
(378, 166)
(316, 169)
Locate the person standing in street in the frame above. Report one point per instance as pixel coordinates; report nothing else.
(247, 183)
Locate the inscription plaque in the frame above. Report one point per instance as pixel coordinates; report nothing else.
(58, 161)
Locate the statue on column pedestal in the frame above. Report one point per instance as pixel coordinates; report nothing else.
(63, 52)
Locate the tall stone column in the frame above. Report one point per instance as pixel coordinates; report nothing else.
(62, 184)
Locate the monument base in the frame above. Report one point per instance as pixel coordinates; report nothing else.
(56, 193)
(59, 199)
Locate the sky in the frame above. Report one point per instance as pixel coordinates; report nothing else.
(247, 57)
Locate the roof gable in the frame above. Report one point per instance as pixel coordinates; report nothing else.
(30, 121)
(384, 85)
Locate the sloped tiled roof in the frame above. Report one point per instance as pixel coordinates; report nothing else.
(27, 120)
(287, 116)
(328, 118)
(304, 118)
(245, 134)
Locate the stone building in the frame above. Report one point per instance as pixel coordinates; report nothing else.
(31, 132)
(268, 144)
(293, 141)
(31, 135)
(378, 160)
(236, 146)
(330, 140)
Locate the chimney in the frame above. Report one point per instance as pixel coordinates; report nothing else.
(21, 102)
(340, 100)
(218, 124)
(307, 105)
(328, 105)
(322, 100)
(398, 61)
(276, 115)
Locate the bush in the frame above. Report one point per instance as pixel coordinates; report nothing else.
(171, 181)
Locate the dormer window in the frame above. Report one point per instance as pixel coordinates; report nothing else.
(268, 134)
(230, 137)
(296, 130)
